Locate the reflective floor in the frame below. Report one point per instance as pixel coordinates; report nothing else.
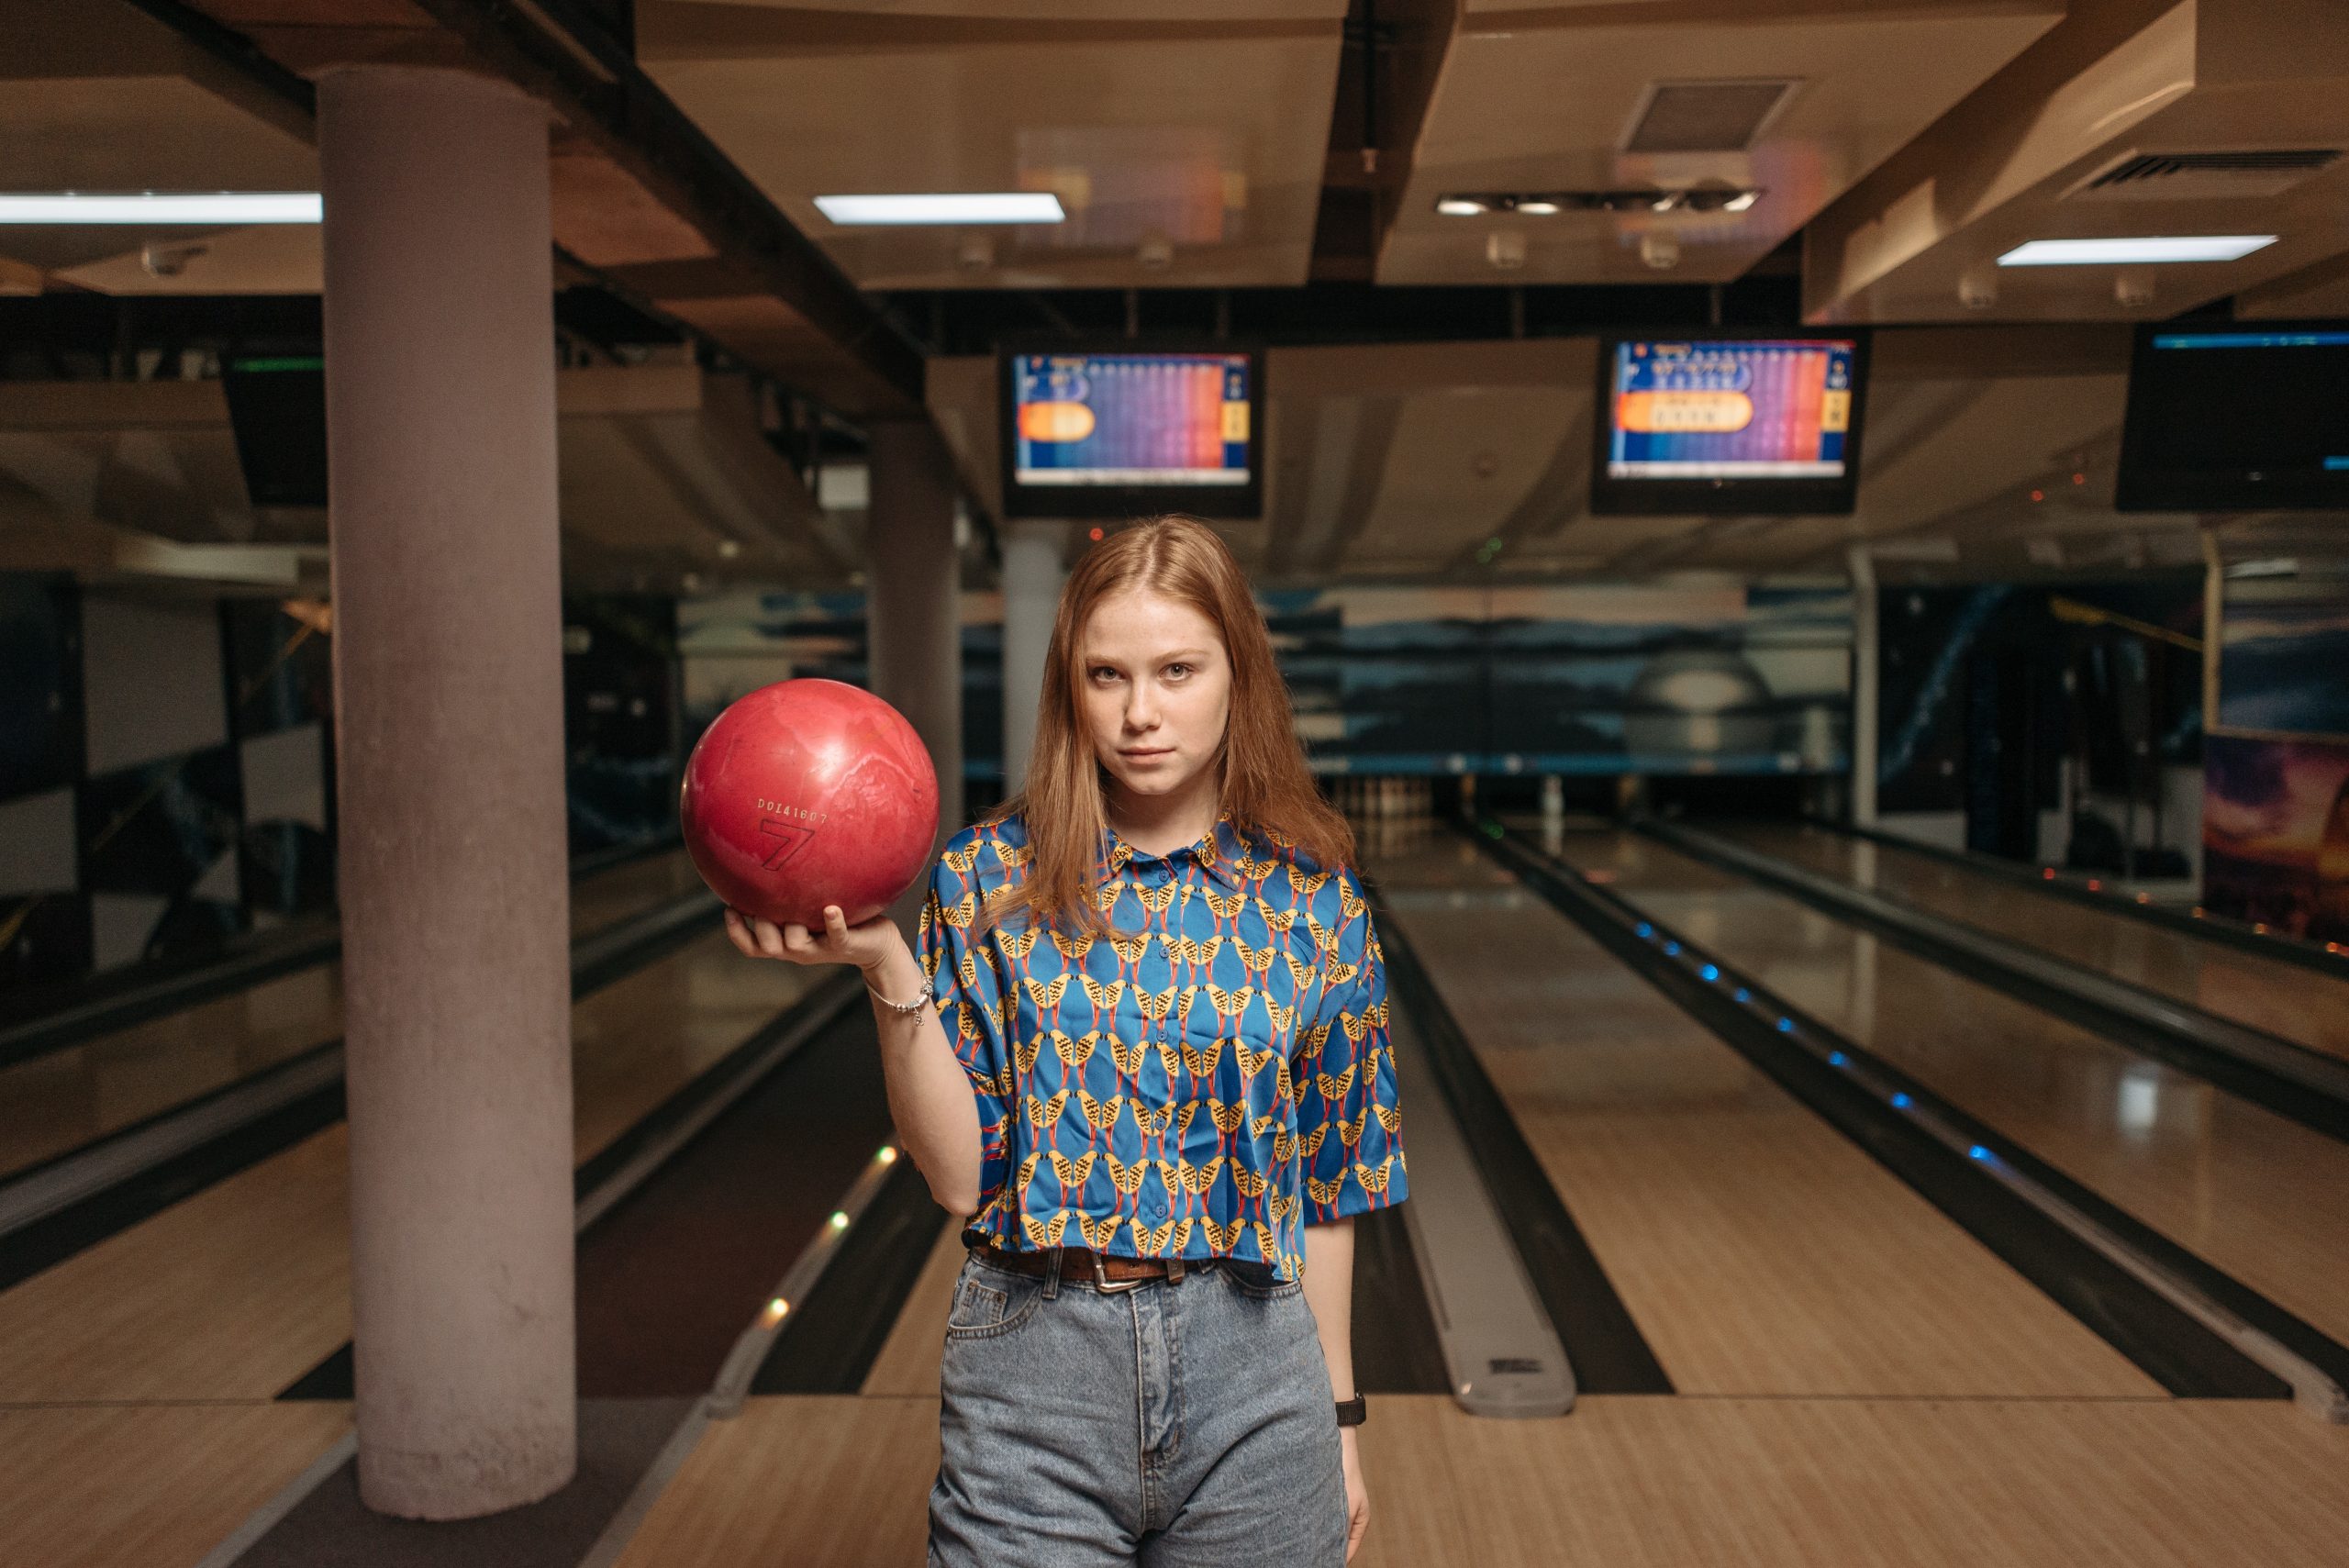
(57, 1102)
(2286, 999)
(2264, 1198)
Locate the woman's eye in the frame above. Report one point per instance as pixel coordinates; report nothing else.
(1177, 671)
(1103, 672)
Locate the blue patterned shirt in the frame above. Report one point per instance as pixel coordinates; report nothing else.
(1205, 1080)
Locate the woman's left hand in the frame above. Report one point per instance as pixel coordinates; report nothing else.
(1357, 1495)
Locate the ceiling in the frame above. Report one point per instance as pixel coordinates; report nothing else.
(1197, 129)
(2029, 156)
(1792, 98)
(1895, 147)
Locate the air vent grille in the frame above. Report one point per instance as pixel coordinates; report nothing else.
(1705, 117)
(2177, 176)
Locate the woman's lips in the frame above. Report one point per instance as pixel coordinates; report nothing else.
(1149, 756)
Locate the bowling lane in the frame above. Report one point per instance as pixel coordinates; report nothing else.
(243, 1287)
(2283, 999)
(1760, 1251)
(58, 1101)
(2264, 1198)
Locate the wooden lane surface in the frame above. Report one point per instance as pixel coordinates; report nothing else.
(241, 1289)
(2284, 999)
(842, 1482)
(61, 1101)
(2261, 1197)
(1760, 1251)
(154, 1487)
(908, 1365)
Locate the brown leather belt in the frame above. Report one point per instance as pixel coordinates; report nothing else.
(1082, 1265)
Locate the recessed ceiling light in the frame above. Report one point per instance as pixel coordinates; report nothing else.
(161, 208)
(1741, 201)
(945, 207)
(1537, 206)
(1460, 206)
(2135, 249)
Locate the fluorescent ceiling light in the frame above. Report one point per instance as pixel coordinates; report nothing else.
(1741, 201)
(158, 207)
(945, 207)
(1460, 206)
(2108, 252)
(1537, 206)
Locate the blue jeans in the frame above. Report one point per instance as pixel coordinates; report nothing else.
(1177, 1424)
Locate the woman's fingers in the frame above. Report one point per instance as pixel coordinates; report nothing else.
(770, 937)
(835, 925)
(740, 935)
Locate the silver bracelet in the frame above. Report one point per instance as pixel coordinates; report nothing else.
(907, 1008)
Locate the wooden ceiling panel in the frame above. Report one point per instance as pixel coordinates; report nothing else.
(2020, 160)
(1201, 142)
(1535, 99)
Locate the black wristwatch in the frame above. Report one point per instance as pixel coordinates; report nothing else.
(1352, 1412)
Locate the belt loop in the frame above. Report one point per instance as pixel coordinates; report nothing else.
(1173, 1270)
(1053, 1276)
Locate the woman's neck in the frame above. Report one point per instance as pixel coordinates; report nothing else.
(1158, 824)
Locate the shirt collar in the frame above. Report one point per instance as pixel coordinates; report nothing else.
(1218, 851)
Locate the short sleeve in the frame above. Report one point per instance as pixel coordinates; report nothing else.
(965, 986)
(1349, 1121)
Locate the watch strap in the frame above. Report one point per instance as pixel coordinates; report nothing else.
(1353, 1412)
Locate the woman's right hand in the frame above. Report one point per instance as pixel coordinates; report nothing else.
(867, 945)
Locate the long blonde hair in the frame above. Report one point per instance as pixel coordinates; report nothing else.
(1265, 784)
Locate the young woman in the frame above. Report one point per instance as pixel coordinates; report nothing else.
(1161, 1092)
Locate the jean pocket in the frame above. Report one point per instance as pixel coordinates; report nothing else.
(978, 1306)
(1258, 1281)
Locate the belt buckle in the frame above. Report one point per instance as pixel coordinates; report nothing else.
(1102, 1283)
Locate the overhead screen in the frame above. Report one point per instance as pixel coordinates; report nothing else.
(1728, 424)
(2237, 419)
(1124, 431)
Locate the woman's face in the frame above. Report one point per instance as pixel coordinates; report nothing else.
(1157, 689)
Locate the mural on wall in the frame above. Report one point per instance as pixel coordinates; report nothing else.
(2276, 780)
(41, 700)
(1713, 680)
(159, 852)
(620, 718)
(2276, 834)
(1568, 680)
(734, 643)
(44, 916)
(1986, 689)
(281, 709)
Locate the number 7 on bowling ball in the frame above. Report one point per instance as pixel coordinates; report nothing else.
(789, 838)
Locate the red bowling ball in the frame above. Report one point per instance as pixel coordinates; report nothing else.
(809, 792)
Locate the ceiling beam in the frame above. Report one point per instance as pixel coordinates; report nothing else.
(640, 199)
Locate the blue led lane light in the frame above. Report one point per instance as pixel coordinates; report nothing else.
(1710, 972)
(1672, 949)
(1785, 1026)
(1900, 1102)
(1647, 933)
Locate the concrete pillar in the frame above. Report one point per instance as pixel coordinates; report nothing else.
(914, 596)
(1866, 672)
(440, 352)
(1032, 574)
